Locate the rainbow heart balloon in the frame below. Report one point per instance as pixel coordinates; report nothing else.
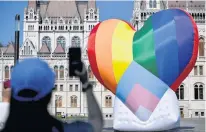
(140, 66)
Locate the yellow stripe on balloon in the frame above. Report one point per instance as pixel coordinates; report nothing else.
(103, 50)
(122, 56)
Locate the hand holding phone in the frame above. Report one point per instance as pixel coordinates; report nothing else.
(75, 62)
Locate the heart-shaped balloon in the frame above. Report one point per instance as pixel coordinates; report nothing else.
(139, 66)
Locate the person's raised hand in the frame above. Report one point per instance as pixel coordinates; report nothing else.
(82, 74)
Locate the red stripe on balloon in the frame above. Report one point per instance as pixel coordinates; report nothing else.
(92, 55)
(192, 62)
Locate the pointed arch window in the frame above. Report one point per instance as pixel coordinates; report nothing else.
(201, 47)
(6, 72)
(108, 101)
(61, 40)
(61, 72)
(11, 68)
(91, 15)
(58, 101)
(180, 92)
(150, 4)
(73, 100)
(31, 15)
(46, 40)
(154, 4)
(75, 41)
(199, 91)
(56, 71)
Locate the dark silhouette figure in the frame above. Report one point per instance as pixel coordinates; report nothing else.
(31, 116)
(32, 81)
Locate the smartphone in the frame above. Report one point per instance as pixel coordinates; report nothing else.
(75, 62)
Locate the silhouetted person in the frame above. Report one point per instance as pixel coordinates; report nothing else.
(32, 81)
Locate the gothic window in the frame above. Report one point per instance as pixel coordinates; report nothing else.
(46, 40)
(34, 17)
(75, 41)
(199, 91)
(180, 92)
(31, 15)
(61, 88)
(61, 40)
(76, 87)
(73, 100)
(31, 52)
(108, 101)
(26, 17)
(201, 47)
(200, 70)
(95, 17)
(195, 70)
(90, 72)
(91, 15)
(58, 101)
(61, 72)
(150, 4)
(6, 72)
(75, 27)
(154, 4)
(70, 87)
(11, 68)
(56, 71)
(87, 17)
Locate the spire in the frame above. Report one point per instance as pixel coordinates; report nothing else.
(92, 4)
(32, 4)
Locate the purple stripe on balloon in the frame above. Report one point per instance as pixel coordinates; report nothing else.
(141, 96)
(185, 39)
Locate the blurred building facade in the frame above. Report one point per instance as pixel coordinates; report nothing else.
(191, 92)
(50, 28)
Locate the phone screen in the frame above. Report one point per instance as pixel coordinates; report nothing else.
(74, 61)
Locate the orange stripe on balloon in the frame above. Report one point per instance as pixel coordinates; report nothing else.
(104, 53)
(91, 53)
(122, 55)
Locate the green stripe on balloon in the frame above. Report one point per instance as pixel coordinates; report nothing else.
(144, 48)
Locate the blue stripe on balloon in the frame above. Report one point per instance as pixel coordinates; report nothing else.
(143, 114)
(166, 47)
(136, 74)
(185, 39)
